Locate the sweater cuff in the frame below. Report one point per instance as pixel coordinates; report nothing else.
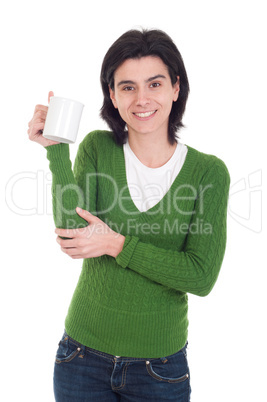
(124, 257)
(57, 152)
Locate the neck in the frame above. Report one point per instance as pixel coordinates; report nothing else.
(152, 152)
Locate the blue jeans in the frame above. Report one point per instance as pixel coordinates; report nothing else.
(83, 374)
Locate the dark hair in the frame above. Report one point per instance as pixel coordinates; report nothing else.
(135, 44)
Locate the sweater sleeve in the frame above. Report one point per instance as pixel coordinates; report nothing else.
(71, 188)
(196, 268)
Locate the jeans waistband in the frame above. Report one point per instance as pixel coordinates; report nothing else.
(113, 357)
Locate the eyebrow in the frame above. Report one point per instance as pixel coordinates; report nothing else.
(127, 82)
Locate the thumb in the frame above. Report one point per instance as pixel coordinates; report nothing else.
(85, 214)
(50, 94)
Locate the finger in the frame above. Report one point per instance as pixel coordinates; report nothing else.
(39, 116)
(69, 233)
(40, 107)
(65, 243)
(69, 251)
(86, 215)
(50, 94)
(35, 129)
(72, 252)
(76, 257)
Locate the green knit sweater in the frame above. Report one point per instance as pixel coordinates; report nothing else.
(136, 305)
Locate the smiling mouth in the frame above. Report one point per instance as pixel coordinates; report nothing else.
(146, 114)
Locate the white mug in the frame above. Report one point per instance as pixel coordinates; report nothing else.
(62, 120)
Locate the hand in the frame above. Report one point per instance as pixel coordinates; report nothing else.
(91, 241)
(37, 123)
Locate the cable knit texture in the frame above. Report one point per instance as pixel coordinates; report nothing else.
(136, 305)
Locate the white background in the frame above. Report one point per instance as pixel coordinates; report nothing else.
(59, 45)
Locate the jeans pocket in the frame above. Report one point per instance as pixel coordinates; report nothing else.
(158, 377)
(171, 369)
(66, 350)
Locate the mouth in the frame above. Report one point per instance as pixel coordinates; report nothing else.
(145, 114)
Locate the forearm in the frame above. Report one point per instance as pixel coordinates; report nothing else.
(195, 267)
(66, 194)
(184, 271)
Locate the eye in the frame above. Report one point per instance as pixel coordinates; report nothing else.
(128, 88)
(155, 85)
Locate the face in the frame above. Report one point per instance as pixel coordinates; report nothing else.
(143, 94)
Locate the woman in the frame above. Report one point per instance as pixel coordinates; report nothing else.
(148, 216)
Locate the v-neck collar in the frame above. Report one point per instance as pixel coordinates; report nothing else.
(123, 189)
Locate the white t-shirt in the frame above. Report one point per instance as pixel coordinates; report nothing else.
(148, 186)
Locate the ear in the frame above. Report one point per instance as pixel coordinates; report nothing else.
(176, 88)
(112, 97)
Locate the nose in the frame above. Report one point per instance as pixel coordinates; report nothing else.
(142, 98)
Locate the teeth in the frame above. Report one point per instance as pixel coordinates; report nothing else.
(147, 114)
